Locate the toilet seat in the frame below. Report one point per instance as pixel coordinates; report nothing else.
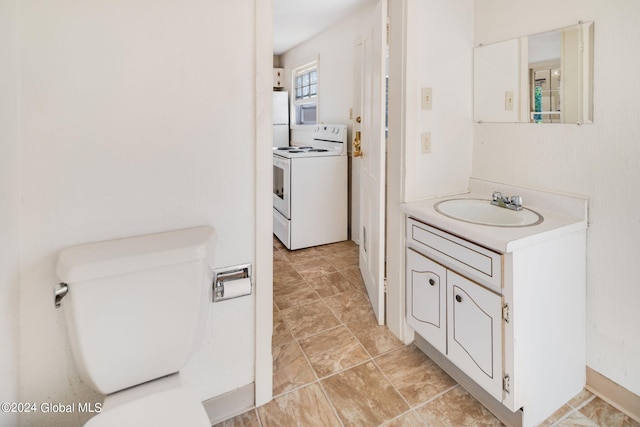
(169, 408)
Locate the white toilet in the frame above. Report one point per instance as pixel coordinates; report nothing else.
(132, 311)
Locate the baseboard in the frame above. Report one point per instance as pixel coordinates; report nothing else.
(230, 404)
(613, 393)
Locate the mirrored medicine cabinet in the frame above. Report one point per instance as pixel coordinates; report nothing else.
(540, 78)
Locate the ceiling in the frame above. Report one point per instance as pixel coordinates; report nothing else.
(295, 21)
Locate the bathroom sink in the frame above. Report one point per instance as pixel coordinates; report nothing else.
(483, 212)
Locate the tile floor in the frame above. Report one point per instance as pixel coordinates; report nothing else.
(334, 366)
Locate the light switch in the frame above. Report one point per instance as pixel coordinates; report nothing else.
(508, 100)
(426, 98)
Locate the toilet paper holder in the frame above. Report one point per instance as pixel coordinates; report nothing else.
(238, 280)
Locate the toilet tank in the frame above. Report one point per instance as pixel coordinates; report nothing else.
(133, 305)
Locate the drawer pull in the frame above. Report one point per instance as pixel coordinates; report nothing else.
(432, 282)
(458, 298)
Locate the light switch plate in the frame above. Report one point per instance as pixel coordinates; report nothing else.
(508, 100)
(425, 143)
(426, 98)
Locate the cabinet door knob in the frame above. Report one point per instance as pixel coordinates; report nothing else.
(458, 298)
(432, 282)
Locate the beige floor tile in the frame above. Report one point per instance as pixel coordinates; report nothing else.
(410, 419)
(290, 368)
(293, 294)
(602, 413)
(284, 288)
(248, 419)
(349, 306)
(581, 398)
(342, 260)
(333, 350)
(314, 267)
(278, 257)
(376, 339)
(301, 255)
(557, 415)
(353, 274)
(376, 400)
(277, 244)
(327, 285)
(456, 408)
(416, 376)
(285, 275)
(281, 333)
(348, 247)
(305, 320)
(576, 419)
(306, 406)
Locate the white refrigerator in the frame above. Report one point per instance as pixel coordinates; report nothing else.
(280, 119)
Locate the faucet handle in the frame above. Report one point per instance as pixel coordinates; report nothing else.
(496, 196)
(516, 201)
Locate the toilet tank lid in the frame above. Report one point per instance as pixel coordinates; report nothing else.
(112, 257)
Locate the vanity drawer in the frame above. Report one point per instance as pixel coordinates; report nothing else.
(471, 260)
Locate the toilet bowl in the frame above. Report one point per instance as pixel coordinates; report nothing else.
(132, 310)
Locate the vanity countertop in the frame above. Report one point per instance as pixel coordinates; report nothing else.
(562, 215)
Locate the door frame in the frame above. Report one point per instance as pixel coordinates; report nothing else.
(263, 226)
(399, 109)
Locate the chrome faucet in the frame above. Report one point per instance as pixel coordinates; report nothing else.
(513, 202)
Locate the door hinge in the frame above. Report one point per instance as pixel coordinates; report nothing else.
(505, 313)
(385, 285)
(506, 383)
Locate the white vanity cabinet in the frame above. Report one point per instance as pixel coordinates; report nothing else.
(459, 317)
(507, 325)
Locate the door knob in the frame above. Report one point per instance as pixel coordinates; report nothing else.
(458, 298)
(358, 119)
(432, 282)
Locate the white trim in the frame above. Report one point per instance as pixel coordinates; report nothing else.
(613, 393)
(228, 405)
(263, 272)
(395, 240)
(297, 68)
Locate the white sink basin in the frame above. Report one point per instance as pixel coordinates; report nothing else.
(483, 212)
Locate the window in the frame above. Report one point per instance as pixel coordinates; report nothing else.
(305, 89)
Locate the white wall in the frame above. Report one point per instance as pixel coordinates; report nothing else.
(600, 160)
(439, 56)
(431, 46)
(135, 117)
(9, 208)
(334, 49)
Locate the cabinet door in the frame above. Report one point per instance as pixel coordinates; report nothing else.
(475, 332)
(426, 299)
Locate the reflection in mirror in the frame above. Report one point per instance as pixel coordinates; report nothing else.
(542, 78)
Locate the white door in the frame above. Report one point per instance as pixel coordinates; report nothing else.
(372, 165)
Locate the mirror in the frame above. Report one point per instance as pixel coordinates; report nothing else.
(541, 78)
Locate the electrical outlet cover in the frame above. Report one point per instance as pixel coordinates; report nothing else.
(425, 143)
